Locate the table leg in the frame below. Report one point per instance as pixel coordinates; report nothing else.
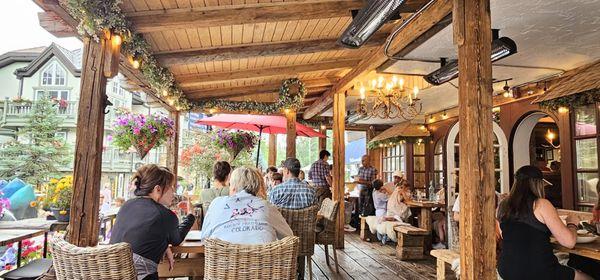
(45, 253)
(19, 254)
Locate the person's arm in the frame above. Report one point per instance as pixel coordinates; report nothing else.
(177, 232)
(565, 235)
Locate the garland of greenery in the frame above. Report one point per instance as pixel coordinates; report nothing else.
(574, 100)
(286, 101)
(97, 16)
(396, 140)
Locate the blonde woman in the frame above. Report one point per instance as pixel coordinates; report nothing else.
(244, 217)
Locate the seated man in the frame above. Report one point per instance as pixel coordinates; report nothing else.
(292, 193)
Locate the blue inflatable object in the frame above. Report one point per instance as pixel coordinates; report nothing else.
(2, 184)
(12, 187)
(21, 199)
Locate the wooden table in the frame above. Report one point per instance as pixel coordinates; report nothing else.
(192, 265)
(8, 236)
(590, 250)
(426, 208)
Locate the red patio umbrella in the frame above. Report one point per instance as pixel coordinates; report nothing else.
(259, 123)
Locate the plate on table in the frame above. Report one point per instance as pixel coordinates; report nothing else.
(588, 238)
(193, 235)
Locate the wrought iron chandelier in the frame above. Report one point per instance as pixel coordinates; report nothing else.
(388, 100)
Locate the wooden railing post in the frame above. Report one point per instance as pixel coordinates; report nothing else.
(272, 149)
(173, 147)
(290, 150)
(339, 161)
(84, 225)
(473, 35)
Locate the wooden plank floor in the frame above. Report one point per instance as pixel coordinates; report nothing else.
(364, 260)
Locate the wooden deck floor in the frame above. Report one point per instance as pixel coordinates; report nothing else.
(364, 260)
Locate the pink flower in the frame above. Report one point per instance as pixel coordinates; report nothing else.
(136, 131)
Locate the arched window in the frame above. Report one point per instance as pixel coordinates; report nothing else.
(54, 75)
(438, 164)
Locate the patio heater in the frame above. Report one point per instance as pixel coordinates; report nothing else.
(368, 20)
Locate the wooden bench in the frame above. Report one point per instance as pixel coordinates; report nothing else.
(365, 233)
(444, 256)
(411, 242)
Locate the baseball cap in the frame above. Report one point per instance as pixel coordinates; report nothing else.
(530, 172)
(398, 173)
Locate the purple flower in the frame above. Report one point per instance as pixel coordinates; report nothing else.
(136, 131)
(109, 138)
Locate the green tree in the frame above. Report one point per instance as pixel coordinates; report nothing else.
(38, 153)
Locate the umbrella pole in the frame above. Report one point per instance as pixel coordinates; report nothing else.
(259, 140)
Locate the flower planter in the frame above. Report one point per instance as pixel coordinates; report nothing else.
(61, 215)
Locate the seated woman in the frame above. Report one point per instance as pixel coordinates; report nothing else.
(587, 265)
(380, 200)
(527, 220)
(145, 222)
(221, 172)
(396, 213)
(244, 217)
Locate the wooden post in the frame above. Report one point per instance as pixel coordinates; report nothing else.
(290, 150)
(472, 34)
(173, 147)
(272, 149)
(339, 161)
(323, 141)
(84, 225)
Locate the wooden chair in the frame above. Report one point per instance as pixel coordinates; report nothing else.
(411, 242)
(110, 262)
(329, 213)
(303, 222)
(443, 257)
(276, 260)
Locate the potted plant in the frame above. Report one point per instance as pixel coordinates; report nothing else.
(235, 141)
(142, 132)
(58, 197)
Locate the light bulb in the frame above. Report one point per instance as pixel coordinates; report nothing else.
(286, 110)
(117, 40)
(135, 63)
(444, 115)
(212, 111)
(165, 93)
(394, 79)
(362, 93)
(323, 127)
(373, 84)
(416, 91)
(550, 135)
(401, 83)
(563, 110)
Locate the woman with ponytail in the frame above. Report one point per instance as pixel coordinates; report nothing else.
(147, 224)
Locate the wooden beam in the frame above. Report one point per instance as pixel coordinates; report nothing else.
(414, 27)
(290, 148)
(55, 25)
(162, 20)
(339, 162)
(287, 70)
(88, 146)
(243, 90)
(188, 56)
(322, 141)
(272, 149)
(272, 93)
(173, 146)
(473, 35)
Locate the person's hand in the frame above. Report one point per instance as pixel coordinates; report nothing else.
(170, 258)
(572, 219)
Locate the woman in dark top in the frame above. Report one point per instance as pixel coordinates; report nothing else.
(526, 222)
(145, 222)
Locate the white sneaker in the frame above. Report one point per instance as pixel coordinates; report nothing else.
(439, 246)
(349, 228)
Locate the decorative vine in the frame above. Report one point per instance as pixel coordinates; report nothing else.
(287, 100)
(574, 100)
(389, 142)
(97, 16)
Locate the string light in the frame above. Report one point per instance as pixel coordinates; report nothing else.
(431, 118)
(444, 115)
(286, 110)
(323, 127)
(135, 63)
(116, 40)
(212, 111)
(563, 110)
(165, 93)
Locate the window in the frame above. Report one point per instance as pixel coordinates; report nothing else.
(586, 153)
(53, 94)
(54, 75)
(62, 135)
(438, 164)
(393, 159)
(419, 165)
(115, 87)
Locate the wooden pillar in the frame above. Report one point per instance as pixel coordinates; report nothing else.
(472, 34)
(84, 225)
(290, 148)
(323, 141)
(567, 167)
(272, 149)
(339, 161)
(173, 147)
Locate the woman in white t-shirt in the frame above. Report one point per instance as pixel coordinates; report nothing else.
(244, 217)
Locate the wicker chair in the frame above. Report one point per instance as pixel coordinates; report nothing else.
(329, 212)
(303, 222)
(111, 262)
(276, 260)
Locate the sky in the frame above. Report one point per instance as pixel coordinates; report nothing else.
(20, 28)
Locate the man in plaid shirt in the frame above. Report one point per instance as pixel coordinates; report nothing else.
(292, 193)
(366, 175)
(320, 175)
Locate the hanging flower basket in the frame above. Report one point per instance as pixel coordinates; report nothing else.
(142, 132)
(235, 141)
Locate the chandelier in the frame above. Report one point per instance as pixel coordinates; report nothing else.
(388, 100)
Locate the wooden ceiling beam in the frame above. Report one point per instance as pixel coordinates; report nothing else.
(161, 20)
(55, 25)
(183, 57)
(243, 90)
(434, 12)
(274, 92)
(190, 80)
